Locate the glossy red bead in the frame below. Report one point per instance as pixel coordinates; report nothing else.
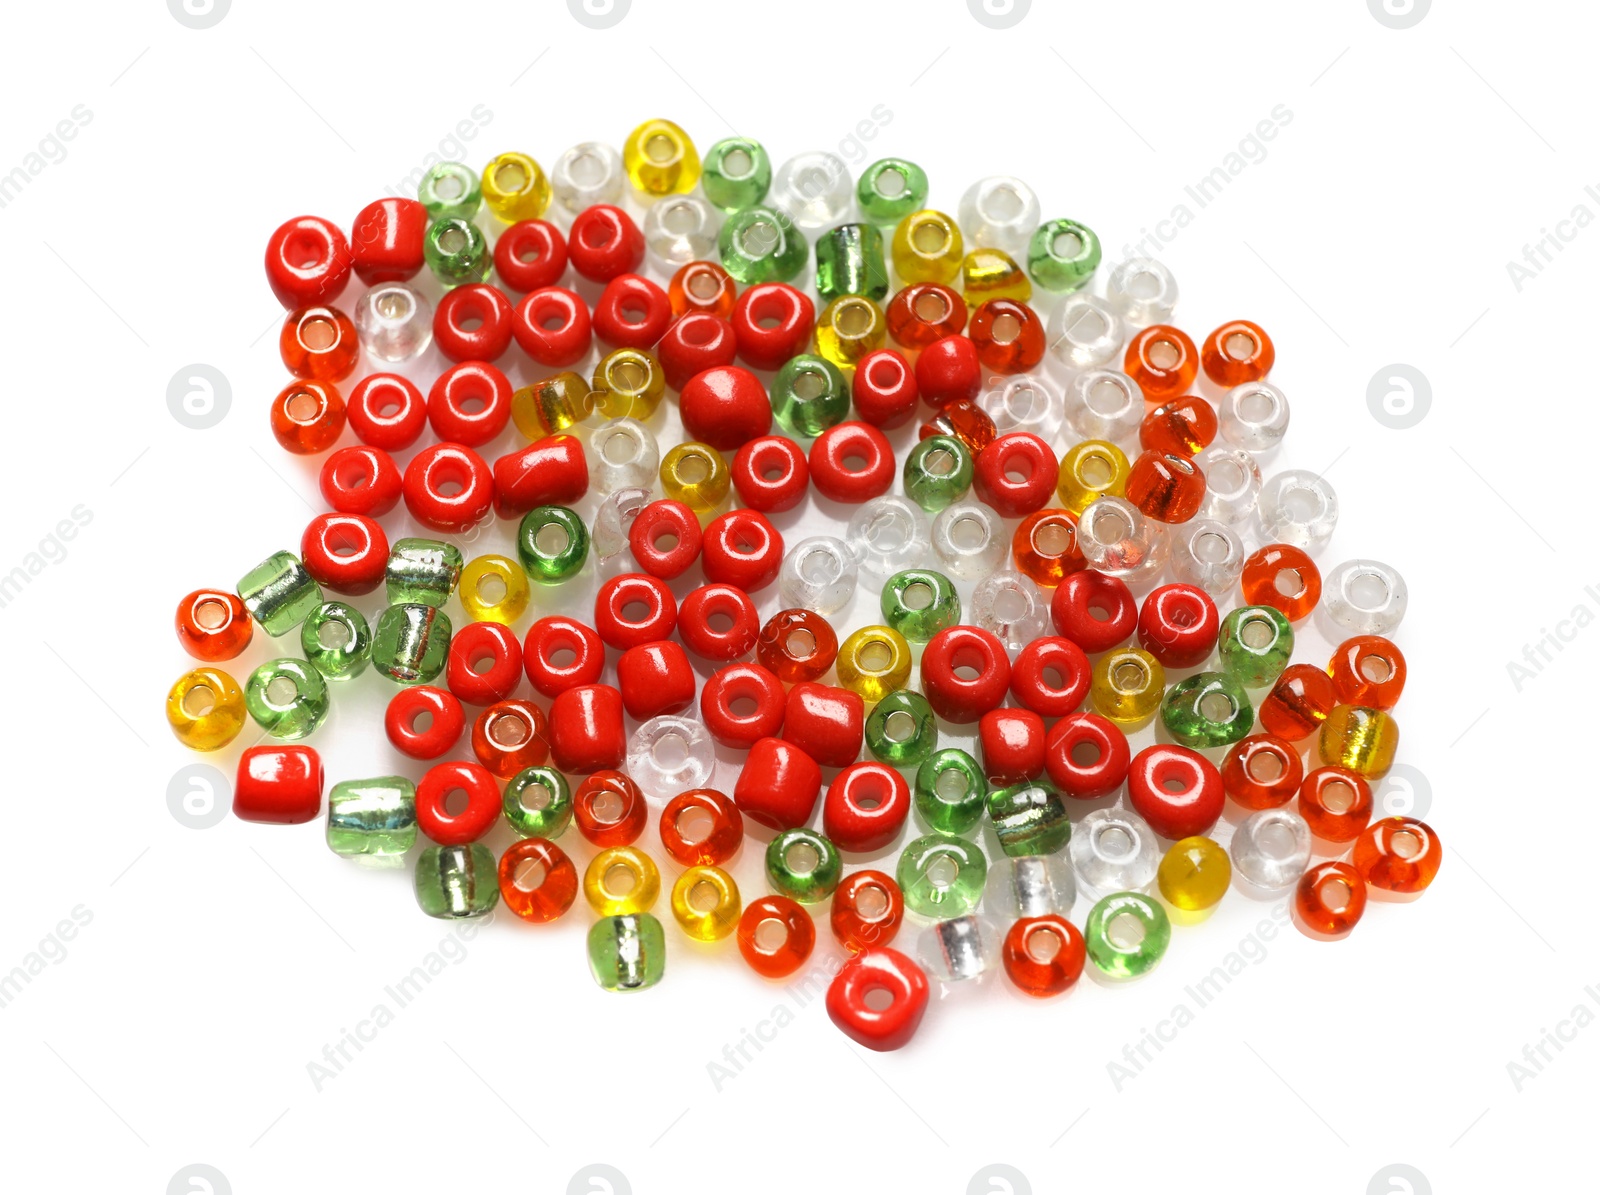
(1050, 676)
(386, 411)
(771, 474)
(665, 538)
(436, 798)
(319, 343)
(826, 722)
(948, 371)
(965, 673)
(718, 622)
(866, 807)
(529, 255)
(485, 663)
(1095, 611)
(742, 548)
(1178, 625)
(360, 480)
(1176, 790)
(884, 389)
(741, 704)
(1086, 756)
(553, 327)
(609, 810)
(1012, 743)
(213, 625)
(1016, 474)
(772, 321)
(701, 827)
(510, 735)
(778, 785)
(725, 406)
(278, 784)
(470, 403)
(1043, 956)
(537, 880)
(632, 312)
(697, 341)
(852, 462)
(386, 240)
(866, 911)
(586, 731)
(423, 721)
(345, 553)
(879, 969)
(308, 261)
(1262, 772)
(655, 678)
(561, 653)
(473, 323)
(453, 467)
(307, 417)
(634, 608)
(1008, 336)
(552, 471)
(604, 242)
(924, 312)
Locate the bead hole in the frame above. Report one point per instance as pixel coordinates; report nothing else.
(952, 786)
(671, 752)
(456, 802)
(551, 539)
(619, 448)
(680, 218)
(1066, 246)
(1405, 844)
(1217, 706)
(1003, 204)
(1130, 676)
(528, 875)
(801, 644)
(211, 615)
(940, 462)
(1210, 548)
(282, 691)
(890, 183)
(694, 825)
(1085, 754)
(1241, 346)
(1113, 842)
(1367, 591)
(969, 534)
(931, 307)
(1258, 634)
(1125, 931)
(1043, 944)
(1264, 766)
(1052, 538)
(1095, 471)
(448, 186)
(607, 807)
(693, 468)
(876, 656)
(660, 148)
(511, 177)
(872, 902)
(1255, 406)
(587, 169)
(1289, 582)
(1338, 796)
(704, 896)
(334, 636)
(509, 731)
(452, 240)
(878, 999)
(491, 589)
(801, 858)
(535, 797)
(942, 872)
(303, 407)
(1107, 397)
(760, 238)
(626, 376)
(1005, 329)
(899, 727)
(1085, 325)
(199, 701)
(930, 237)
(703, 285)
(1376, 669)
(1276, 840)
(737, 165)
(1010, 604)
(1163, 354)
(619, 880)
(421, 721)
(771, 935)
(810, 384)
(1144, 285)
(917, 596)
(1335, 894)
(852, 319)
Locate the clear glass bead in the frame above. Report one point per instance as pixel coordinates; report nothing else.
(1142, 291)
(969, 540)
(819, 573)
(682, 228)
(1297, 507)
(1104, 404)
(1208, 554)
(1010, 607)
(1084, 333)
(1365, 597)
(623, 455)
(999, 212)
(888, 535)
(1116, 538)
(588, 173)
(394, 323)
(670, 754)
(1233, 479)
(611, 522)
(1114, 850)
(1254, 416)
(1029, 886)
(1024, 403)
(1271, 848)
(959, 949)
(814, 189)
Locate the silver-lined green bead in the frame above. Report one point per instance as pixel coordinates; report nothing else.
(337, 640)
(423, 571)
(279, 593)
(456, 881)
(375, 819)
(411, 642)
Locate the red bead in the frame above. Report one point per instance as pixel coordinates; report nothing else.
(552, 325)
(386, 240)
(1016, 474)
(1044, 955)
(948, 371)
(308, 261)
(665, 538)
(718, 622)
(1184, 425)
(485, 663)
(866, 911)
(609, 810)
(880, 969)
(1284, 577)
(530, 254)
(1368, 670)
(632, 312)
(964, 420)
(1086, 756)
(345, 553)
(1167, 487)
(537, 880)
(725, 406)
(441, 466)
(552, 471)
(586, 733)
(954, 650)
(778, 785)
(386, 411)
(214, 625)
(634, 608)
(1336, 803)
(741, 704)
(360, 480)
(1300, 701)
(1093, 610)
(470, 403)
(772, 322)
(319, 343)
(1176, 790)
(698, 341)
(546, 650)
(1008, 336)
(473, 323)
(797, 645)
(825, 722)
(403, 721)
(278, 784)
(701, 827)
(852, 462)
(434, 792)
(742, 548)
(307, 417)
(1012, 742)
(771, 474)
(789, 953)
(1050, 676)
(923, 312)
(865, 807)
(655, 678)
(1262, 772)
(604, 242)
(1178, 625)
(702, 286)
(884, 389)
(511, 735)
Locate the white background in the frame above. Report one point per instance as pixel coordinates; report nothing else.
(177, 1026)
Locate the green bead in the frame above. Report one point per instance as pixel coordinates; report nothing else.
(375, 818)
(538, 803)
(287, 697)
(456, 251)
(1124, 948)
(891, 189)
(1209, 709)
(901, 730)
(938, 471)
(627, 953)
(279, 593)
(1255, 644)
(337, 640)
(761, 245)
(450, 191)
(940, 876)
(423, 571)
(1063, 255)
(552, 543)
(457, 881)
(919, 603)
(950, 792)
(803, 865)
(411, 642)
(735, 173)
(810, 395)
(850, 262)
(1029, 819)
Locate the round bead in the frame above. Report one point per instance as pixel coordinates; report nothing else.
(1167, 487)
(951, 792)
(336, 639)
(393, 323)
(701, 826)
(485, 663)
(456, 251)
(1008, 336)
(772, 322)
(1208, 709)
(873, 662)
(1015, 474)
(953, 652)
(743, 549)
(1178, 625)
(604, 243)
(1043, 955)
(665, 538)
(538, 803)
(1163, 361)
(205, 709)
(493, 589)
(1283, 577)
(530, 255)
(588, 173)
(820, 573)
(938, 471)
(703, 287)
(1112, 850)
(1183, 427)
(1254, 644)
(1093, 610)
(901, 729)
(890, 534)
(1359, 738)
(723, 406)
(1050, 676)
(736, 173)
(537, 880)
(891, 189)
(1367, 670)
(1010, 607)
(307, 417)
(966, 421)
(1062, 255)
(1143, 291)
(1208, 555)
(814, 188)
(213, 625)
(681, 229)
(919, 603)
(809, 395)
(993, 274)
(718, 622)
(797, 645)
(1044, 546)
(927, 247)
(1397, 854)
(949, 371)
(560, 653)
(803, 865)
(1126, 686)
(386, 240)
(1236, 353)
(1299, 508)
(695, 476)
(924, 312)
(308, 261)
(552, 326)
(1194, 874)
(741, 704)
(850, 328)
(698, 342)
(634, 608)
(1254, 416)
(1233, 482)
(1126, 934)
(1085, 333)
(423, 722)
(776, 936)
(891, 1025)
(441, 783)
(386, 411)
(625, 456)
(510, 735)
(941, 877)
(1298, 704)
(865, 807)
(969, 540)
(1262, 772)
(758, 244)
(660, 159)
(449, 190)
(1091, 470)
(669, 754)
(470, 403)
(448, 487)
(552, 543)
(609, 810)
(1086, 756)
(632, 312)
(1365, 597)
(287, 698)
(852, 462)
(1000, 212)
(1330, 897)
(884, 389)
(1270, 848)
(771, 474)
(866, 911)
(473, 323)
(621, 880)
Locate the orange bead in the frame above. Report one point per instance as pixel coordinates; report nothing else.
(1283, 577)
(1166, 486)
(1163, 361)
(1262, 772)
(509, 736)
(867, 910)
(924, 312)
(308, 417)
(1330, 898)
(1045, 546)
(775, 936)
(701, 827)
(319, 343)
(1298, 704)
(797, 645)
(966, 421)
(1398, 854)
(1183, 426)
(609, 809)
(1336, 803)
(1368, 670)
(1236, 353)
(537, 880)
(1043, 955)
(213, 625)
(1009, 336)
(702, 286)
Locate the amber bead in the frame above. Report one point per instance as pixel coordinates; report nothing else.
(319, 343)
(1368, 670)
(797, 645)
(1360, 738)
(1236, 353)
(308, 417)
(553, 405)
(1166, 486)
(927, 247)
(992, 274)
(1009, 336)
(1397, 854)
(1091, 470)
(702, 286)
(609, 809)
(964, 420)
(1045, 546)
(924, 312)
(1330, 897)
(1163, 361)
(1184, 425)
(1298, 704)
(1337, 804)
(1283, 577)
(1262, 772)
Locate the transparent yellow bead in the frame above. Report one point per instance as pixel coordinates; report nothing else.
(660, 159)
(696, 475)
(873, 662)
(991, 274)
(621, 879)
(1126, 686)
(628, 384)
(848, 329)
(705, 903)
(926, 247)
(553, 405)
(1090, 470)
(1194, 874)
(1358, 738)
(493, 589)
(515, 188)
(206, 709)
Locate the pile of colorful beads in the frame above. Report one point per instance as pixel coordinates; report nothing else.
(1049, 802)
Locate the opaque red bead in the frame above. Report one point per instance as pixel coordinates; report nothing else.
(825, 722)
(473, 323)
(948, 371)
(386, 411)
(772, 321)
(1050, 676)
(742, 548)
(1053, 974)
(386, 240)
(702, 286)
(586, 732)
(852, 462)
(665, 538)
(697, 341)
(741, 704)
(884, 389)
(771, 474)
(1176, 790)
(956, 698)
(609, 810)
(1086, 756)
(778, 785)
(866, 911)
(319, 343)
(632, 312)
(278, 784)
(604, 242)
(307, 417)
(1178, 625)
(1016, 474)
(485, 663)
(345, 553)
(1094, 610)
(655, 678)
(530, 254)
(923, 312)
(402, 721)
(554, 637)
(634, 608)
(511, 735)
(213, 625)
(470, 403)
(878, 969)
(1012, 743)
(308, 261)
(799, 936)
(718, 622)
(552, 471)
(701, 827)
(725, 406)
(439, 466)
(433, 800)
(1262, 772)
(1008, 336)
(553, 327)
(360, 480)
(865, 807)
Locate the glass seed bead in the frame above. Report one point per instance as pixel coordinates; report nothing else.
(588, 173)
(621, 880)
(1103, 404)
(668, 755)
(1112, 850)
(1271, 848)
(783, 949)
(1043, 956)
(537, 880)
(927, 247)
(736, 173)
(849, 328)
(873, 662)
(1360, 739)
(1194, 874)
(1254, 645)
(964, 420)
(206, 709)
(336, 639)
(702, 286)
(1236, 353)
(1254, 416)
(538, 803)
(1126, 934)
(888, 534)
(559, 403)
(1011, 608)
(1127, 685)
(279, 593)
(758, 244)
(1336, 803)
(1029, 886)
(493, 589)
(213, 625)
(456, 252)
(1283, 577)
(1208, 709)
(1368, 670)
(514, 188)
(1365, 597)
(1000, 212)
(308, 417)
(701, 825)
(1044, 547)
(1025, 403)
(660, 159)
(1298, 508)
(1299, 703)
(938, 471)
(394, 323)
(1091, 470)
(628, 383)
(614, 521)
(1029, 818)
(627, 953)
(681, 229)
(993, 274)
(696, 475)
(454, 882)
(924, 312)
(891, 189)
(1009, 337)
(287, 698)
(1330, 897)
(1167, 487)
(901, 730)
(1185, 426)
(959, 949)
(919, 603)
(797, 645)
(1397, 854)
(1262, 771)
(1163, 361)
(814, 189)
(623, 456)
(1085, 334)
(969, 540)
(1142, 291)
(1117, 539)
(411, 643)
(422, 571)
(850, 262)
(950, 794)
(803, 865)
(552, 543)
(375, 820)
(810, 395)
(866, 911)
(705, 903)
(819, 573)
(1233, 482)
(941, 876)
(450, 191)
(1062, 255)
(1207, 554)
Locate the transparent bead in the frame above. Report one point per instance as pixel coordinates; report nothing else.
(814, 188)
(1024, 403)
(1365, 597)
(1208, 554)
(1011, 608)
(588, 173)
(681, 229)
(1142, 291)
(1084, 333)
(999, 212)
(1297, 507)
(1114, 850)
(1254, 416)
(888, 535)
(611, 522)
(1104, 404)
(1271, 848)
(969, 540)
(1029, 886)
(1117, 539)
(394, 322)
(1233, 479)
(820, 574)
(624, 455)
(1155, 561)
(669, 754)
(959, 949)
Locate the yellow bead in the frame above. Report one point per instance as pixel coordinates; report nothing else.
(1126, 686)
(515, 188)
(553, 405)
(990, 274)
(873, 662)
(696, 475)
(621, 879)
(660, 159)
(628, 384)
(848, 329)
(493, 589)
(1090, 470)
(926, 247)
(1194, 874)
(1360, 739)
(206, 709)
(705, 903)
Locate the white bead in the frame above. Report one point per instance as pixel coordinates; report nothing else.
(394, 323)
(1000, 212)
